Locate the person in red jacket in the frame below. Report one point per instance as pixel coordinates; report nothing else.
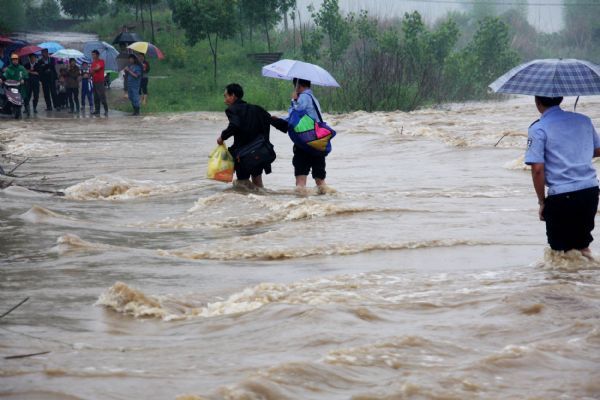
(97, 71)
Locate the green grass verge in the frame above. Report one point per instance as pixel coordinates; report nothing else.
(183, 81)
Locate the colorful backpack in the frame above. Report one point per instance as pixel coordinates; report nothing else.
(312, 136)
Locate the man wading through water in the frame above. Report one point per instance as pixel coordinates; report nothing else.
(246, 123)
(560, 148)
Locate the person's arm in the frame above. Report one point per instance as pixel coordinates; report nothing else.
(535, 157)
(596, 141)
(132, 72)
(279, 124)
(538, 176)
(232, 127)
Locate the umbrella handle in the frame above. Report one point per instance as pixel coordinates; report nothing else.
(575, 106)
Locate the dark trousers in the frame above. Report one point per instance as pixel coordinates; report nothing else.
(73, 96)
(49, 89)
(86, 93)
(33, 92)
(100, 97)
(570, 219)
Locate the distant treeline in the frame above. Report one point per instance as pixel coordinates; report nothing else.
(381, 63)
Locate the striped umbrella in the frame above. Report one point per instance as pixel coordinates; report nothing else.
(551, 78)
(147, 48)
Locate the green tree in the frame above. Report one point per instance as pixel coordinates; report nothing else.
(582, 22)
(43, 16)
(487, 56)
(82, 8)
(12, 15)
(263, 13)
(205, 19)
(336, 28)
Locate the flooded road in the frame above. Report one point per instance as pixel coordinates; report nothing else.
(421, 275)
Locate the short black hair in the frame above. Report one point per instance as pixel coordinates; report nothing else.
(72, 59)
(302, 82)
(235, 89)
(549, 101)
(96, 52)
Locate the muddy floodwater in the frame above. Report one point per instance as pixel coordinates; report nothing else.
(422, 273)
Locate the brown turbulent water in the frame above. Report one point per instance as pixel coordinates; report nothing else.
(421, 274)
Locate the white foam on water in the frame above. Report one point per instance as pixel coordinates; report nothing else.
(236, 251)
(570, 261)
(118, 188)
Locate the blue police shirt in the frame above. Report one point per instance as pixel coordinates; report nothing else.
(564, 142)
(305, 103)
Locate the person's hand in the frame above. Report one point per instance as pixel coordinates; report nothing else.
(541, 212)
(220, 140)
(294, 95)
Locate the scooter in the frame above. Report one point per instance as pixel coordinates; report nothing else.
(10, 99)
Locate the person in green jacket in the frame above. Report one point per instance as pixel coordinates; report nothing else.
(17, 72)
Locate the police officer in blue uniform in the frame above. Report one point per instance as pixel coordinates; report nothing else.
(560, 149)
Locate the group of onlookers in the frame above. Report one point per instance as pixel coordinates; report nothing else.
(61, 85)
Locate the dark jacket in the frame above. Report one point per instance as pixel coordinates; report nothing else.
(30, 68)
(246, 122)
(47, 69)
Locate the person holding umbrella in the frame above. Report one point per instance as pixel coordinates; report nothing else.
(145, 72)
(97, 71)
(560, 148)
(133, 73)
(72, 84)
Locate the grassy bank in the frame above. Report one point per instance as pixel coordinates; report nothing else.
(183, 81)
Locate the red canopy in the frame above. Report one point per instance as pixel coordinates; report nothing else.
(6, 40)
(25, 51)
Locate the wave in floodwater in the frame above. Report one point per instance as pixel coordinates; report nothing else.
(280, 252)
(256, 210)
(117, 188)
(358, 290)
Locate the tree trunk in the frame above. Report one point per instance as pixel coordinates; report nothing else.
(242, 24)
(137, 10)
(142, 14)
(151, 21)
(213, 50)
(267, 33)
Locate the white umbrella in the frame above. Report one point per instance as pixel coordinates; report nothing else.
(290, 69)
(68, 53)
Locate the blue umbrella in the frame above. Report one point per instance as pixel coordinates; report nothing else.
(107, 52)
(290, 69)
(52, 47)
(551, 78)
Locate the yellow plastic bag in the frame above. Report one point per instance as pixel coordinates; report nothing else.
(220, 165)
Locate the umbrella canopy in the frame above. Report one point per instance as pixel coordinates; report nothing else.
(127, 38)
(551, 78)
(290, 69)
(148, 49)
(27, 50)
(4, 40)
(52, 47)
(68, 53)
(107, 52)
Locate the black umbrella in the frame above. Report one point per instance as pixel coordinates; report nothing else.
(127, 38)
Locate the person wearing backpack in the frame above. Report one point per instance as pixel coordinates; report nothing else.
(305, 160)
